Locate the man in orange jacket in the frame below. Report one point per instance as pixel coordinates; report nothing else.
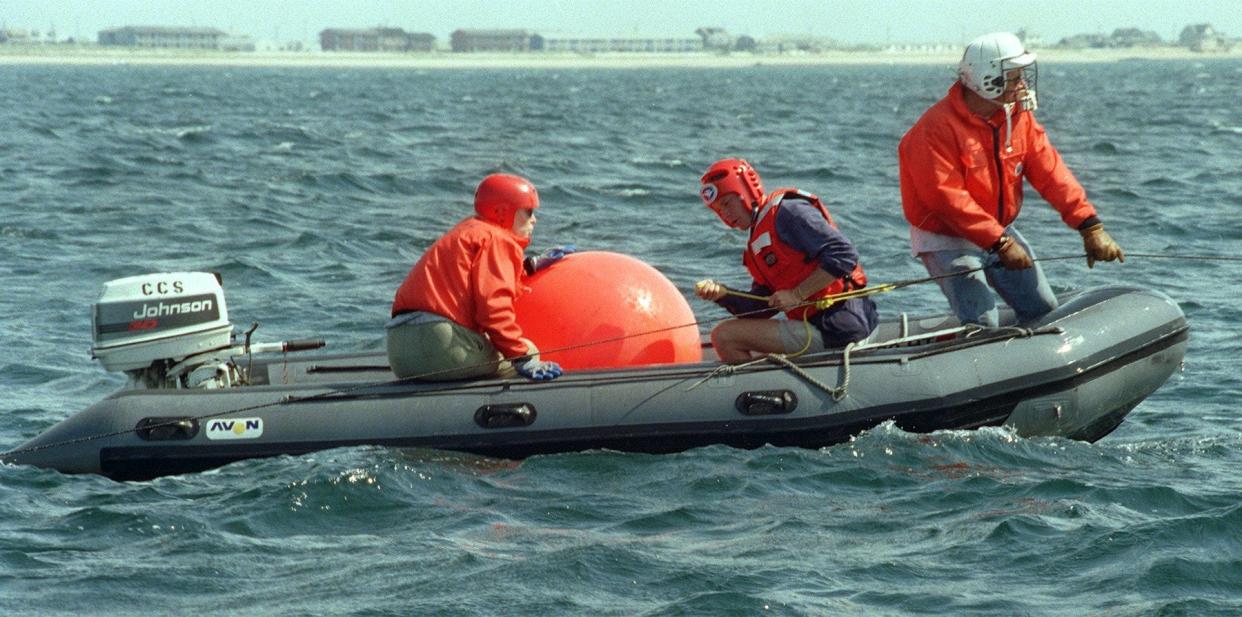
(961, 170)
(453, 317)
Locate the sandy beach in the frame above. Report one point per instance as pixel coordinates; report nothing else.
(445, 60)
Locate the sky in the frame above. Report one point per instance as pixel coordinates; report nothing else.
(871, 22)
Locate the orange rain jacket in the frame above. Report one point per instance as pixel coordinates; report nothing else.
(950, 184)
(471, 275)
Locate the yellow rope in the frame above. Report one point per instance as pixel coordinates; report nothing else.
(826, 301)
(742, 294)
(821, 304)
(810, 335)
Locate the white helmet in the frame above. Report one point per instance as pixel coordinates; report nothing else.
(988, 58)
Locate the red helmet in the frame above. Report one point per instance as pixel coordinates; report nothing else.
(731, 176)
(500, 196)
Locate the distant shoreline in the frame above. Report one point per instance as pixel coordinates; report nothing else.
(535, 60)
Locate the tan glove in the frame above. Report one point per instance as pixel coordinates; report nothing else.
(1012, 255)
(1100, 246)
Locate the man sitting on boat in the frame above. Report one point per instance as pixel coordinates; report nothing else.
(453, 317)
(795, 255)
(961, 171)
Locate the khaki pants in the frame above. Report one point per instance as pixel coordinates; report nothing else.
(437, 349)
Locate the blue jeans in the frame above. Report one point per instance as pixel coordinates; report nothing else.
(1026, 291)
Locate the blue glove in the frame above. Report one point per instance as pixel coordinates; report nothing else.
(557, 252)
(547, 258)
(538, 370)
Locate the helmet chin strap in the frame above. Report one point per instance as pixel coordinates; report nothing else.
(1028, 101)
(1009, 126)
(1025, 102)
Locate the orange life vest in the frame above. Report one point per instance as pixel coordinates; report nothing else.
(778, 266)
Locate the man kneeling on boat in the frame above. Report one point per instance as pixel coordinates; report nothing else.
(453, 317)
(795, 255)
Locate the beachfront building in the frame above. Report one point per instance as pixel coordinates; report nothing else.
(18, 36)
(1120, 38)
(715, 38)
(924, 49)
(491, 40)
(14, 35)
(1029, 39)
(162, 37)
(1133, 37)
(376, 39)
(615, 45)
(238, 42)
(1083, 41)
(792, 44)
(1202, 37)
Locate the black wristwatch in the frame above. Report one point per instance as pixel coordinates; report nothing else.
(1000, 244)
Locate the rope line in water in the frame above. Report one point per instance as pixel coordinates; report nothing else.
(1186, 257)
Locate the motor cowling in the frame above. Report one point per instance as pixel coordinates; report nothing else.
(158, 319)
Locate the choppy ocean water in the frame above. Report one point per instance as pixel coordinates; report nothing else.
(313, 190)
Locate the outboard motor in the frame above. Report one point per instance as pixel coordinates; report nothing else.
(148, 325)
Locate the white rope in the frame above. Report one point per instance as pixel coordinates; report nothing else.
(838, 393)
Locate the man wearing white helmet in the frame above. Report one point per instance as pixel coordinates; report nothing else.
(962, 166)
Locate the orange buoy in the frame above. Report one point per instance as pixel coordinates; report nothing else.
(597, 309)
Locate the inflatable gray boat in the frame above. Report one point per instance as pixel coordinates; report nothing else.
(197, 398)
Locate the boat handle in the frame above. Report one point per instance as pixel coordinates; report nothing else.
(766, 402)
(166, 429)
(505, 416)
